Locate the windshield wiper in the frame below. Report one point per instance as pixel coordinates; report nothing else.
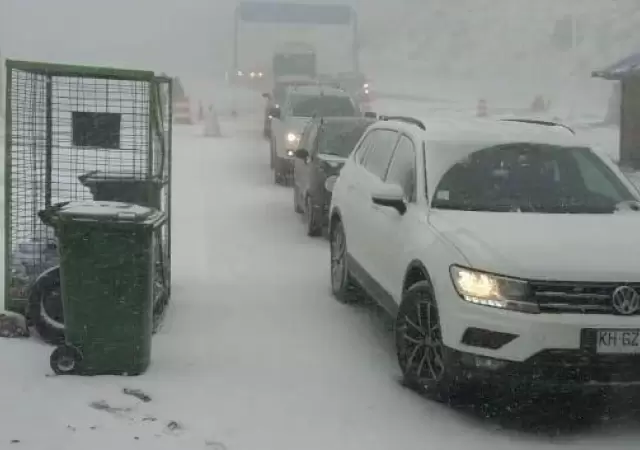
(476, 208)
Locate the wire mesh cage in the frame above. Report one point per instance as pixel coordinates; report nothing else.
(80, 133)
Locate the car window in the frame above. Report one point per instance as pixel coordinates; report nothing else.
(279, 92)
(402, 169)
(324, 105)
(596, 179)
(361, 149)
(377, 158)
(309, 144)
(339, 138)
(531, 178)
(304, 138)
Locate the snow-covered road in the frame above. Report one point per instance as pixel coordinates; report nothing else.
(255, 353)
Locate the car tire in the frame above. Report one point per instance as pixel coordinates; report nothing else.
(296, 199)
(419, 346)
(278, 177)
(343, 285)
(272, 156)
(45, 307)
(311, 219)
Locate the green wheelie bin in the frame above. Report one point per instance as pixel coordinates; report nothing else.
(107, 267)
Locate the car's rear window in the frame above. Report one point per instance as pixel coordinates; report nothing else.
(339, 138)
(323, 106)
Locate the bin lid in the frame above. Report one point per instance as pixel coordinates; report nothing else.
(97, 176)
(107, 211)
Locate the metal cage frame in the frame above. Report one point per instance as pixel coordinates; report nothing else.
(158, 140)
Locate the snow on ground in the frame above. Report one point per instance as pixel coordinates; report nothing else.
(254, 352)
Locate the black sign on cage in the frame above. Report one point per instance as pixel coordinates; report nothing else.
(93, 129)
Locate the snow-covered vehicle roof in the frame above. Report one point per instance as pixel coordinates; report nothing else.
(318, 90)
(295, 79)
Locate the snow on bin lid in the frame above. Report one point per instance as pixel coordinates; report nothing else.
(100, 175)
(107, 210)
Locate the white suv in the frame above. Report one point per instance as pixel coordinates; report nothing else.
(506, 251)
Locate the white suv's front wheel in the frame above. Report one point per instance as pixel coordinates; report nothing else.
(419, 345)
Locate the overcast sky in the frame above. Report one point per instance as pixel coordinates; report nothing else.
(183, 35)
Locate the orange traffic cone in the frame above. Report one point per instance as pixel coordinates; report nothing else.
(482, 109)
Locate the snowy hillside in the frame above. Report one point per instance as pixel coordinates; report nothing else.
(499, 49)
(493, 37)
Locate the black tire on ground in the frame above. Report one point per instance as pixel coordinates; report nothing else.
(272, 156)
(278, 178)
(419, 346)
(296, 199)
(65, 360)
(343, 285)
(312, 221)
(45, 307)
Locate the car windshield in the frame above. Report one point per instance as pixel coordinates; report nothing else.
(532, 178)
(324, 105)
(280, 89)
(339, 138)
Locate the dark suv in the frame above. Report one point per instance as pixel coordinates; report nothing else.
(275, 98)
(325, 145)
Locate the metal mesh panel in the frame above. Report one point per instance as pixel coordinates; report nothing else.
(161, 153)
(65, 122)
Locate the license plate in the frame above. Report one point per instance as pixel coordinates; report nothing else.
(618, 341)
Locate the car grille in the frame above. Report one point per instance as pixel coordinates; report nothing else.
(583, 367)
(578, 298)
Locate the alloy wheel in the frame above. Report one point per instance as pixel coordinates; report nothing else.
(420, 349)
(338, 258)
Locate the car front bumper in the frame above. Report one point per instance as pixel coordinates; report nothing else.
(549, 370)
(540, 350)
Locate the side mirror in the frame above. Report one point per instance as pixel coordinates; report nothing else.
(390, 196)
(274, 113)
(266, 95)
(371, 115)
(330, 183)
(301, 153)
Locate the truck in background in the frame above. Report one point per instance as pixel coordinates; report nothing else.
(294, 59)
(295, 39)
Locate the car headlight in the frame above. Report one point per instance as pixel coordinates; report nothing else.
(290, 153)
(491, 290)
(292, 137)
(330, 182)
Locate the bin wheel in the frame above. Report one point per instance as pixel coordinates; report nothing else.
(65, 360)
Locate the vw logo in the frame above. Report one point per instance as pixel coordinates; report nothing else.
(625, 300)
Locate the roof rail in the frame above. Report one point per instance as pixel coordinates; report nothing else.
(405, 119)
(546, 123)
